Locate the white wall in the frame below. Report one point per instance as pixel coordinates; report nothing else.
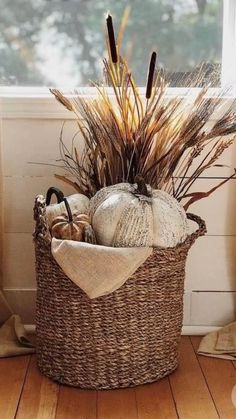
(31, 133)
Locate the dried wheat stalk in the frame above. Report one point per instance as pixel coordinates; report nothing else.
(156, 137)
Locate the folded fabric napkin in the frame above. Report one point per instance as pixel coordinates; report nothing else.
(220, 344)
(97, 270)
(14, 339)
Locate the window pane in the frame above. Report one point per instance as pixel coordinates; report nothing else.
(60, 42)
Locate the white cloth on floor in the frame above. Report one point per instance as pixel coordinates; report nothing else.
(97, 270)
(220, 344)
(14, 339)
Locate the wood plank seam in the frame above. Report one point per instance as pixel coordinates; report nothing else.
(96, 405)
(204, 377)
(136, 403)
(58, 397)
(233, 362)
(140, 406)
(192, 396)
(172, 394)
(23, 384)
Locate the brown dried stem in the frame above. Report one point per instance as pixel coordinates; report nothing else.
(161, 144)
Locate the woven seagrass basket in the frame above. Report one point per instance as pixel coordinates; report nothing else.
(127, 338)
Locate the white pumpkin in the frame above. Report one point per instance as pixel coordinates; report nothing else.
(122, 216)
(78, 203)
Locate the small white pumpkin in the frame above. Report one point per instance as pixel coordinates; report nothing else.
(78, 203)
(126, 215)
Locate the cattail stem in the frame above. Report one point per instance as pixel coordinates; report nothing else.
(151, 74)
(112, 41)
(70, 217)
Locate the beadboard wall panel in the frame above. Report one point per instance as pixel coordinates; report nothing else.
(211, 264)
(218, 210)
(26, 141)
(23, 303)
(20, 192)
(18, 261)
(211, 268)
(212, 308)
(201, 309)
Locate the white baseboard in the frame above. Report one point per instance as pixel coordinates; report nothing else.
(199, 330)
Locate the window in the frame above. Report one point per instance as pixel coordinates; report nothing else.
(60, 42)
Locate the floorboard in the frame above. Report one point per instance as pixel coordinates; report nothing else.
(117, 404)
(220, 376)
(155, 401)
(12, 374)
(191, 394)
(234, 364)
(39, 395)
(76, 403)
(201, 388)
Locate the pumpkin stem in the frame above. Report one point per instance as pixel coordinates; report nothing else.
(141, 186)
(70, 217)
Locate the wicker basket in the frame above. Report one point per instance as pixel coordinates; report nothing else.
(127, 338)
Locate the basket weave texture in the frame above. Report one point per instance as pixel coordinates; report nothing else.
(124, 339)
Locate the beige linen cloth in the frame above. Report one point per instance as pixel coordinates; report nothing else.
(220, 344)
(97, 270)
(13, 338)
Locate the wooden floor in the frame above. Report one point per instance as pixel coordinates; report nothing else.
(200, 388)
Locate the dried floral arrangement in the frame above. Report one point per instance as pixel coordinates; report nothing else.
(169, 142)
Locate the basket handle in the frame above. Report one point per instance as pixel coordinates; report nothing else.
(201, 229)
(41, 226)
(42, 231)
(54, 191)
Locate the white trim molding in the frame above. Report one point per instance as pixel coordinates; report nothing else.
(39, 103)
(199, 330)
(228, 71)
(33, 108)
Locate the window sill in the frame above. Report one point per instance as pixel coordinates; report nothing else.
(39, 103)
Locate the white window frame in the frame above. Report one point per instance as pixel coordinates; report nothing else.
(228, 69)
(37, 102)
